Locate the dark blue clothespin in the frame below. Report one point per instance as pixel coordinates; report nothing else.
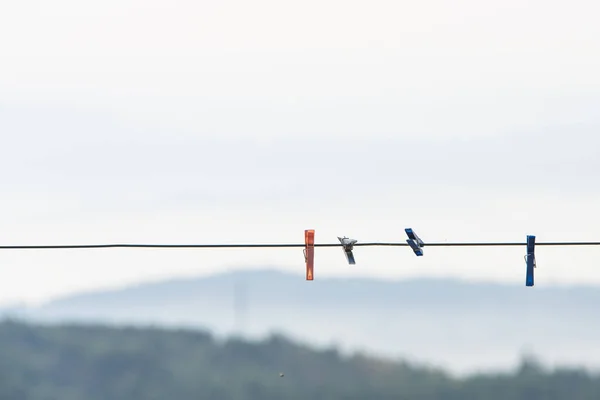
(414, 242)
(348, 245)
(530, 260)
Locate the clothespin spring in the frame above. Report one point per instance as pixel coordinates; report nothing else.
(530, 255)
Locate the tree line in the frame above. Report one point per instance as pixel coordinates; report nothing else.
(94, 362)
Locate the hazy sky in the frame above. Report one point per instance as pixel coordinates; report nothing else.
(234, 121)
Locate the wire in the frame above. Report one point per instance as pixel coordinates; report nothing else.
(442, 244)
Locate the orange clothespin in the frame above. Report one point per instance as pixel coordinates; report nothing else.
(309, 253)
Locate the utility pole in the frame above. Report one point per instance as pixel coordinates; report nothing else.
(239, 307)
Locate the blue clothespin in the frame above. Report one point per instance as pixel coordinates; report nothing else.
(530, 260)
(414, 242)
(348, 245)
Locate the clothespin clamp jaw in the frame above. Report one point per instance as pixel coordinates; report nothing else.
(309, 253)
(348, 245)
(414, 242)
(530, 260)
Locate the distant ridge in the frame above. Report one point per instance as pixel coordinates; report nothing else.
(451, 323)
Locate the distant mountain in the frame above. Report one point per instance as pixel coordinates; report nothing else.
(458, 325)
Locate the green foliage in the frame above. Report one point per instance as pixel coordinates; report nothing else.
(98, 362)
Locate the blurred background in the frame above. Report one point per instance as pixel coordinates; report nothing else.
(231, 122)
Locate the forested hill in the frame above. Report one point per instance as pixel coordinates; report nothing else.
(96, 362)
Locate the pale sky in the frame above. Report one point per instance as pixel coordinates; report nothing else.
(233, 121)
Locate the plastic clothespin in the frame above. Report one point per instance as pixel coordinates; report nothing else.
(414, 242)
(309, 253)
(530, 260)
(348, 245)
